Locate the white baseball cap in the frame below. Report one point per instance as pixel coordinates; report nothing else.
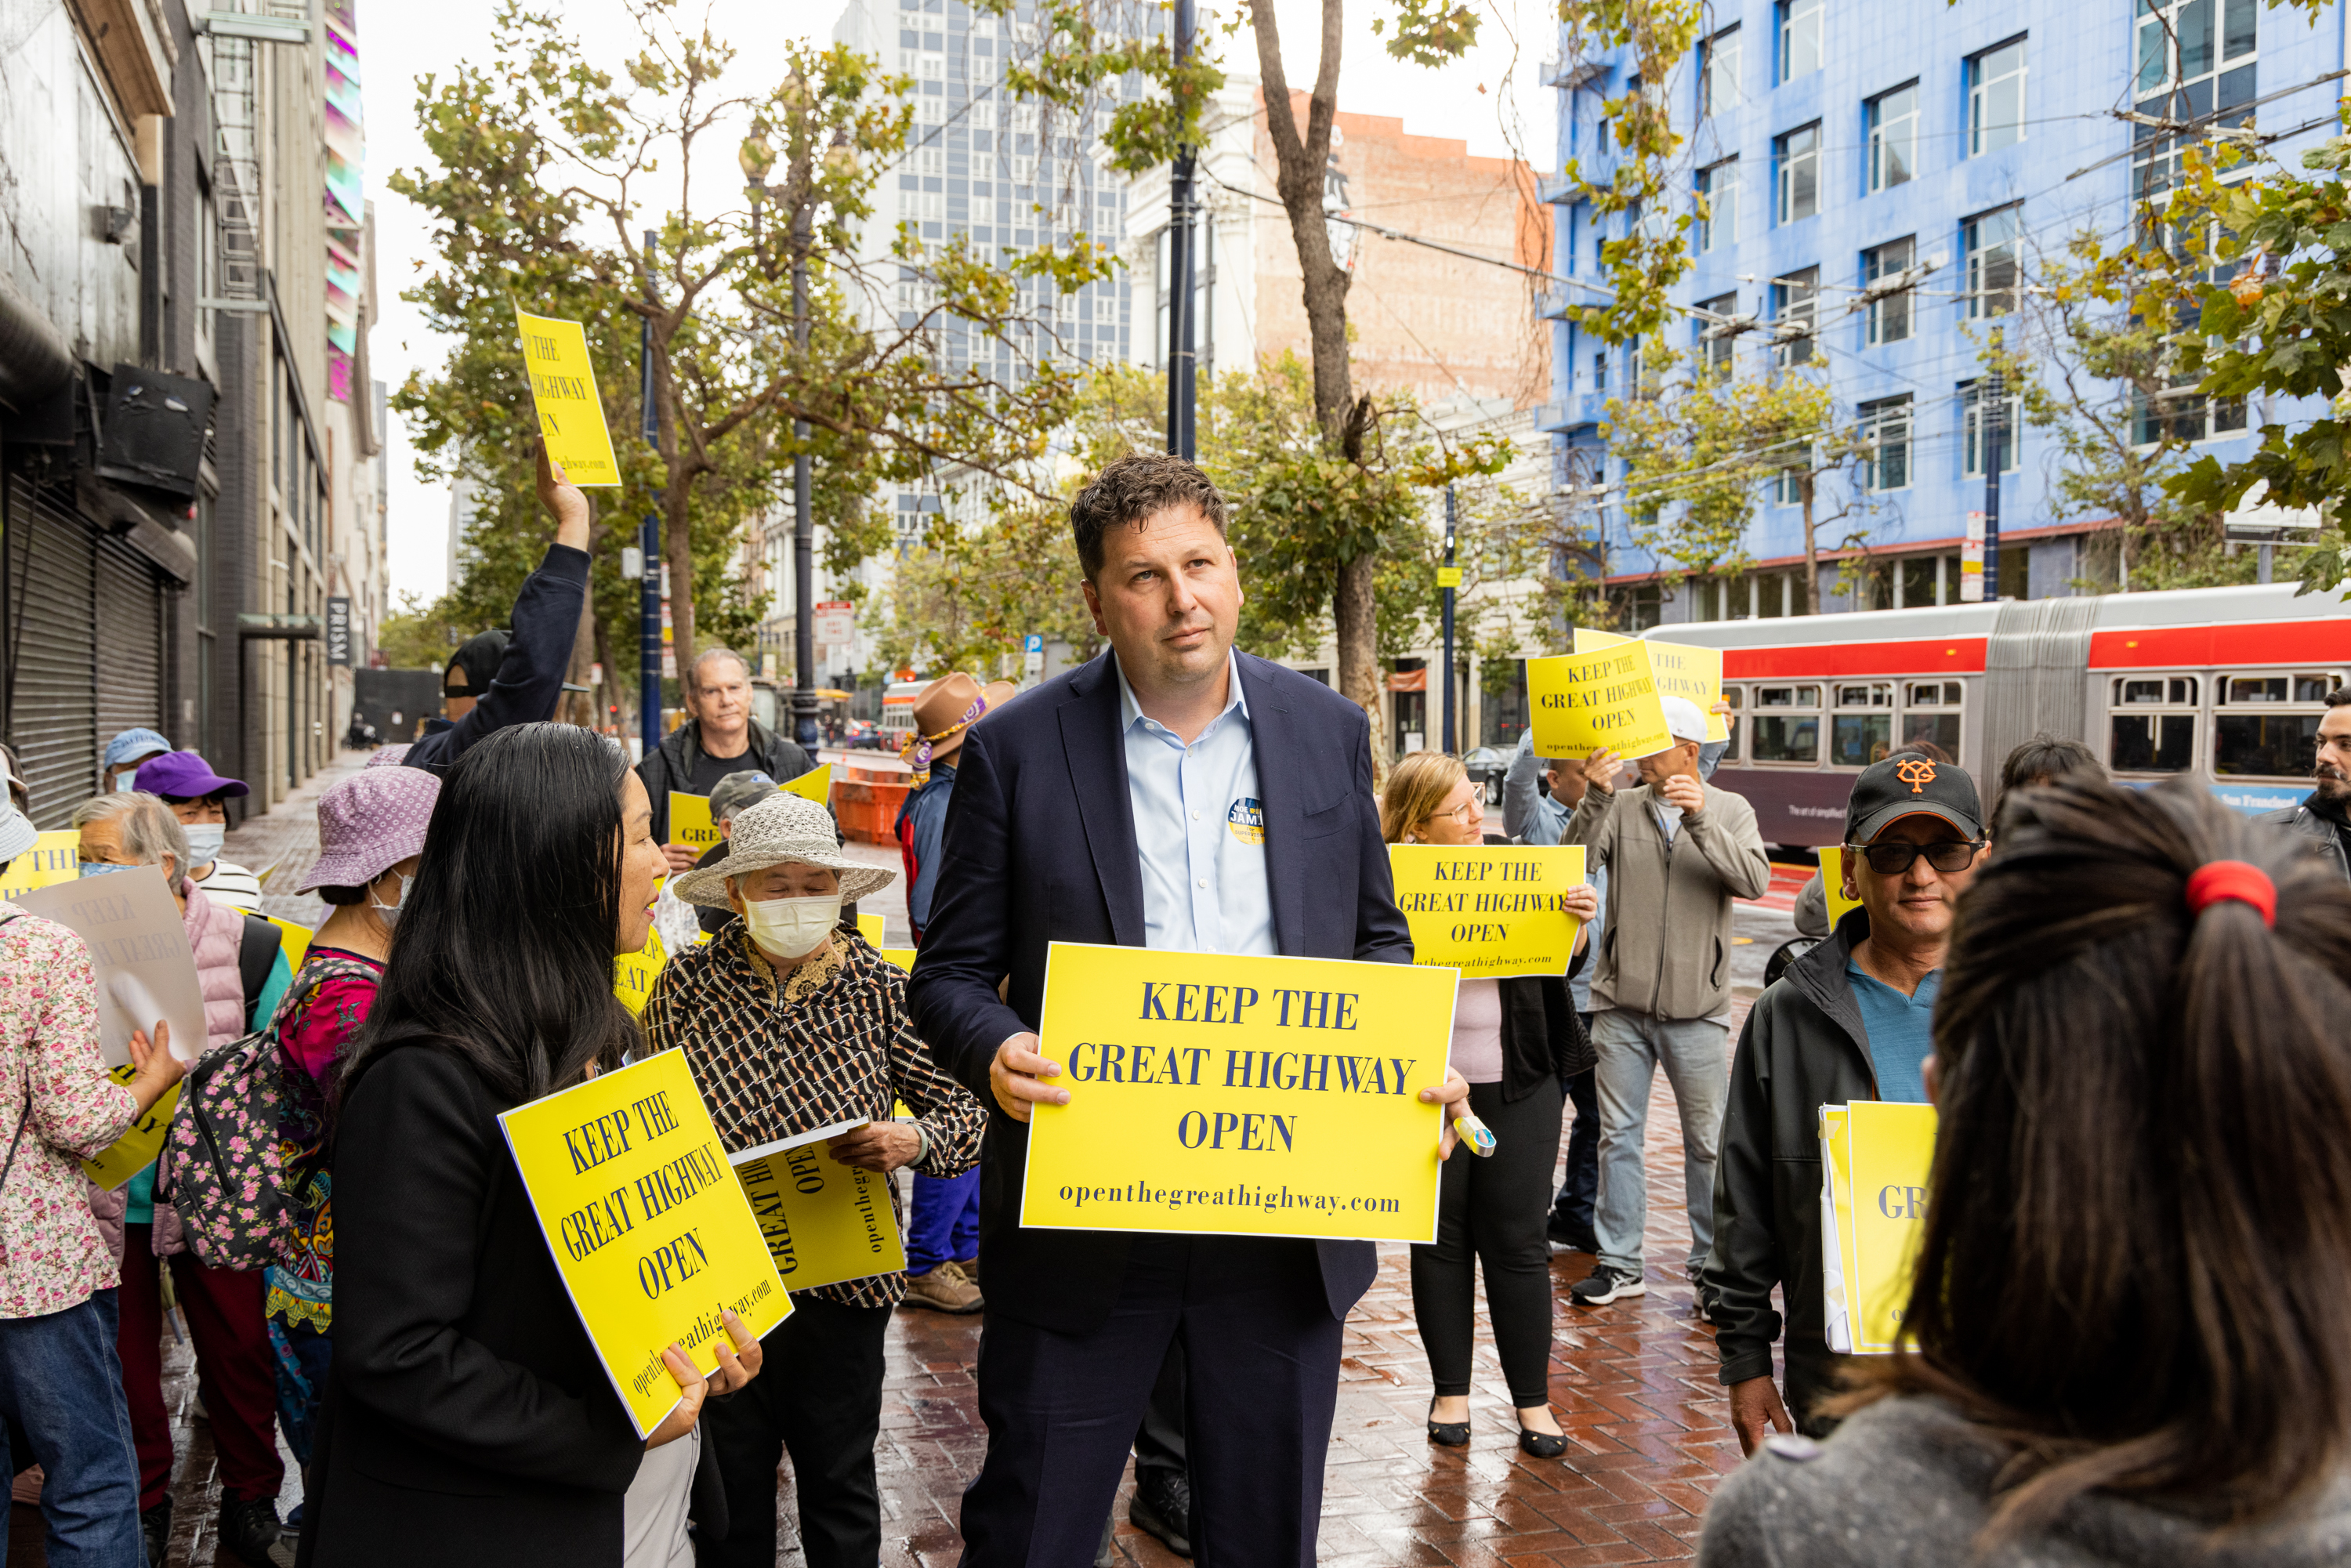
(1684, 718)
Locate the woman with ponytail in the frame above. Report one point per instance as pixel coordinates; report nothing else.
(2131, 1316)
(468, 1418)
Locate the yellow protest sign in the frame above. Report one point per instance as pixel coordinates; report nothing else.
(870, 927)
(1211, 1093)
(563, 388)
(1876, 1155)
(1489, 910)
(901, 956)
(136, 1149)
(690, 821)
(815, 785)
(1681, 670)
(1585, 700)
(54, 858)
(1833, 883)
(653, 1239)
(824, 1221)
(634, 972)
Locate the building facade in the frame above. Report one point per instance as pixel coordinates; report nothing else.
(1936, 150)
(186, 479)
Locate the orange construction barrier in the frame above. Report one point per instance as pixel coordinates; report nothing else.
(869, 812)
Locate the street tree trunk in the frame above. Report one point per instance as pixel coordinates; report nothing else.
(1300, 159)
(1811, 604)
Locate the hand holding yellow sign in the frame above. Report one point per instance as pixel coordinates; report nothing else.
(563, 389)
(1680, 670)
(653, 1239)
(136, 1149)
(1583, 702)
(1489, 910)
(1218, 1094)
(1875, 1155)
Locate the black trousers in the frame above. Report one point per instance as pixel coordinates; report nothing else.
(1159, 1442)
(1260, 1385)
(819, 1397)
(1491, 1212)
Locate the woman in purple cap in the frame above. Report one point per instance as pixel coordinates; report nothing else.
(371, 834)
(194, 792)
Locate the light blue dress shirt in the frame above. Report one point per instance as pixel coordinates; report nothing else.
(1199, 828)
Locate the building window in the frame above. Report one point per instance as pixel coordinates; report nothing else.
(1718, 183)
(1716, 351)
(1996, 98)
(1718, 78)
(1990, 241)
(1971, 432)
(2182, 413)
(1930, 715)
(1893, 138)
(1800, 37)
(1889, 315)
(1885, 429)
(1862, 731)
(1785, 726)
(2196, 60)
(2266, 726)
(1600, 371)
(2151, 724)
(1797, 158)
(1795, 304)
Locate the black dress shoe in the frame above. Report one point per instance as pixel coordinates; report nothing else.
(1162, 1506)
(251, 1533)
(1541, 1445)
(155, 1527)
(1447, 1434)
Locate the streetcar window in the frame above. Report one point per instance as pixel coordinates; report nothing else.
(1784, 738)
(1933, 694)
(1787, 696)
(2176, 691)
(2254, 689)
(2274, 746)
(1940, 730)
(1859, 739)
(1870, 694)
(2152, 743)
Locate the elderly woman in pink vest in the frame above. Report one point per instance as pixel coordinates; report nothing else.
(241, 965)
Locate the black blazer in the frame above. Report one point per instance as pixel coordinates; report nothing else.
(465, 1411)
(1039, 848)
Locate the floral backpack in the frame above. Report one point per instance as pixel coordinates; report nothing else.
(222, 1165)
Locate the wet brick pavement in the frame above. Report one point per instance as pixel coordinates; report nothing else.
(1633, 1383)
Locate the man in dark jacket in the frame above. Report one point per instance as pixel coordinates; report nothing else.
(721, 738)
(1850, 1021)
(2324, 817)
(501, 678)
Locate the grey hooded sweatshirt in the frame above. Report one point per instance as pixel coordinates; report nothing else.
(1906, 1483)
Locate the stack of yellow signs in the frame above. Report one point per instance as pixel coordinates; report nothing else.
(628, 1181)
(824, 1221)
(1874, 1157)
(1489, 910)
(1680, 669)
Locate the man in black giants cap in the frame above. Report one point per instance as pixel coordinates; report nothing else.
(1849, 1021)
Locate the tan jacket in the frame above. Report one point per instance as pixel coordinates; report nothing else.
(1665, 947)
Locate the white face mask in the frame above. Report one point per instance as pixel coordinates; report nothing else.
(792, 927)
(388, 913)
(205, 842)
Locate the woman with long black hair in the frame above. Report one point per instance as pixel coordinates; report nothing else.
(467, 1417)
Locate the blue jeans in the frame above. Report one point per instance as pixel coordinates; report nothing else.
(1632, 1047)
(944, 1224)
(61, 1382)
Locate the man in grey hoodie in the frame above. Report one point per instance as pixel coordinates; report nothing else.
(1676, 851)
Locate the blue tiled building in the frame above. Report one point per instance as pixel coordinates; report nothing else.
(1845, 141)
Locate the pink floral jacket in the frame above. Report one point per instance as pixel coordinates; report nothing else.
(52, 1077)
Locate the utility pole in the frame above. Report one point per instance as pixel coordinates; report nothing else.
(1993, 413)
(649, 593)
(804, 521)
(1180, 207)
(1449, 578)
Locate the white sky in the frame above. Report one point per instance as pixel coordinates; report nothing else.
(400, 43)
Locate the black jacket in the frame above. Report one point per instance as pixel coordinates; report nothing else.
(2301, 818)
(1804, 1047)
(1040, 848)
(671, 765)
(530, 677)
(467, 1416)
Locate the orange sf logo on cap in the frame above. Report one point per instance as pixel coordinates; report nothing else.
(1916, 772)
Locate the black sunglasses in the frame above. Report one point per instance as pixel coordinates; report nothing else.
(1894, 859)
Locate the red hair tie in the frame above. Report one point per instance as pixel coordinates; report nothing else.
(2216, 880)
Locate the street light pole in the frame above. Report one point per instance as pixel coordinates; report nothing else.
(803, 520)
(1180, 205)
(1446, 579)
(649, 596)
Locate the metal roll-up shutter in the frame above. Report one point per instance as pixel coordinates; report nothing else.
(52, 633)
(130, 628)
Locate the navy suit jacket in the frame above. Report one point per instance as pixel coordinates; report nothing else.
(1040, 849)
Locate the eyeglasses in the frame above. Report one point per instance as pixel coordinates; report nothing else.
(1894, 859)
(1462, 813)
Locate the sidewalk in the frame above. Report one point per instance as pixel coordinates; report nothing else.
(282, 845)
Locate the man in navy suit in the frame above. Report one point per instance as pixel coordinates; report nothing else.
(1171, 793)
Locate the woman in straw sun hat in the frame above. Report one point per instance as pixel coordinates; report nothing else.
(791, 1023)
